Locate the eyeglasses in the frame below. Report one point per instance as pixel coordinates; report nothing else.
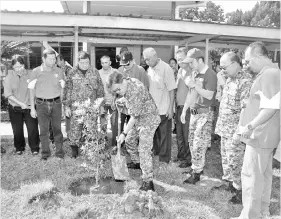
(225, 67)
(127, 64)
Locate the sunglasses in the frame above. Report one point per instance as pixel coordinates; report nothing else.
(127, 64)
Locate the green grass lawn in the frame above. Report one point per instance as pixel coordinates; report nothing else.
(26, 176)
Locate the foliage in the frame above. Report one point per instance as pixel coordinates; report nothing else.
(212, 12)
(94, 135)
(10, 48)
(264, 14)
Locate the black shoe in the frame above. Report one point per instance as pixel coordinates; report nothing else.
(35, 153)
(185, 164)
(44, 158)
(74, 149)
(237, 198)
(147, 186)
(227, 187)
(19, 152)
(194, 178)
(133, 165)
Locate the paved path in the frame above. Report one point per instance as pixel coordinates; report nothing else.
(7, 132)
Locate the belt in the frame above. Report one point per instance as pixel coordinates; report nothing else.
(49, 100)
(199, 111)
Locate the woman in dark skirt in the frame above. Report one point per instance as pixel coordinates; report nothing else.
(15, 89)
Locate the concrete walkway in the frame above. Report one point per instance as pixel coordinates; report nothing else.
(7, 132)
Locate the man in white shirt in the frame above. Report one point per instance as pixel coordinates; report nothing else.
(161, 87)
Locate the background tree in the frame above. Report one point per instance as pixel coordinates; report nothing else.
(10, 48)
(211, 12)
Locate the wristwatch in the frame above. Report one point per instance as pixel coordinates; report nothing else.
(250, 127)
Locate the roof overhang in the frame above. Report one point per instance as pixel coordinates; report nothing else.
(27, 26)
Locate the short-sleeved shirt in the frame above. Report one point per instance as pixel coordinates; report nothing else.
(15, 85)
(140, 104)
(48, 82)
(208, 78)
(161, 82)
(83, 86)
(264, 93)
(182, 89)
(137, 72)
(108, 97)
(235, 91)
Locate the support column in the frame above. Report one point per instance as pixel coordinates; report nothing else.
(207, 51)
(93, 55)
(86, 10)
(173, 48)
(75, 58)
(28, 58)
(275, 55)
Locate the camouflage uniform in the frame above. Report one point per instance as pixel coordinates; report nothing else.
(79, 88)
(234, 93)
(200, 129)
(142, 107)
(132, 138)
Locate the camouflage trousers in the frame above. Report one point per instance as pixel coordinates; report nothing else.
(145, 132)
(232, 160)
(200, 130)
(131, 143)
(75, 133)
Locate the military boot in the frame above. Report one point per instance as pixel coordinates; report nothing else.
(237, 198)
(74, 149)
(194, 178)
(147, 186)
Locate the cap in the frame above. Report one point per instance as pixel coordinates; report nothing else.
(195, 53)
(126, 57)
(187, 60)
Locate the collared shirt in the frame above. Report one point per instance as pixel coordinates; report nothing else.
(161, 82)
(104, 77)
(137, 72)
(15, 85)
(236, 90)
(182, 89)
(139, 102)
(80, 87)
(208, 79)
(264, 93)
(47, 83)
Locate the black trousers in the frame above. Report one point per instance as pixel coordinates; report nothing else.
(182, 135)
(17, 117)
(162, 141)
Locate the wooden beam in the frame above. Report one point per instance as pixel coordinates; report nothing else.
(67, 20)
(90, 39)
(199, 38)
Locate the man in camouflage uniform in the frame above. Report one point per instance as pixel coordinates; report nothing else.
(236, 90)
(82, 82)
(144, 116)
(129, 68)
(200, 128)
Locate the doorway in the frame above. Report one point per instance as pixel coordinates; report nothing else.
(109, 51)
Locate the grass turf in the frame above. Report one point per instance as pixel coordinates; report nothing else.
(25, 176)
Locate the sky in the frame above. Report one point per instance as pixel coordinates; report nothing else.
(49, 6)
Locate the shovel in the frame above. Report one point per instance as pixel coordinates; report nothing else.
(119, 164)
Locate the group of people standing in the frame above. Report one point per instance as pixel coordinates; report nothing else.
(248, 121)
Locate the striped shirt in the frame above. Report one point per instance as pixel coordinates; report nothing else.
(161, 82)
(15, 85)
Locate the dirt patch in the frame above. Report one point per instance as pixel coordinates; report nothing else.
(88, 186)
